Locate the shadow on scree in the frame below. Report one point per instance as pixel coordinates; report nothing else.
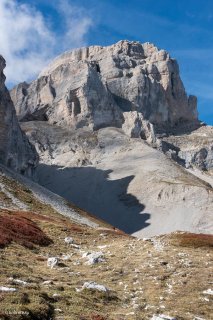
(92, 190)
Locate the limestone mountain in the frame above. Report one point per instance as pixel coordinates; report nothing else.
(121, 85)
(95, 114)
(15, 150)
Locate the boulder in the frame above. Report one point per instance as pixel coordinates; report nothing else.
(69, 240)
(52, 262)
(91, 285)
(6, 289)
(162, 317)
(93, 257)
(208, 291)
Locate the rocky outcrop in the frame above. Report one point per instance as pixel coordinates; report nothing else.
(193, 149)
(201, 158)
(130, 85)
(15, 150)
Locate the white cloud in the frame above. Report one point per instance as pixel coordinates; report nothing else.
(77, 24)
(28, 42)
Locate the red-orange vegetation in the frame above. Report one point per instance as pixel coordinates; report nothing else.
(193, 240)
(16, 227)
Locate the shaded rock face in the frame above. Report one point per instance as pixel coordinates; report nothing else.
(124, 85)
(15, 150)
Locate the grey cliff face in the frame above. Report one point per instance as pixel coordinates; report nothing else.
(15, 150)
(128, 85)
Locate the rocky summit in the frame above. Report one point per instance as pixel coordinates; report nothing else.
(108, 123)
(128, 85)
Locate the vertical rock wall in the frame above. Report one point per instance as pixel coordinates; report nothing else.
(15, 150)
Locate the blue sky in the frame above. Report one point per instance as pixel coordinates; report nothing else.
(184, 28)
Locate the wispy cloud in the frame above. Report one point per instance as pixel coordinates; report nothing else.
(77, 24)
(28, 42)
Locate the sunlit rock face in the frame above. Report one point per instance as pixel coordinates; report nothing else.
(15, 150)
(122, 85)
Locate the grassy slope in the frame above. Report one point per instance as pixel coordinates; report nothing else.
(167, 275)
